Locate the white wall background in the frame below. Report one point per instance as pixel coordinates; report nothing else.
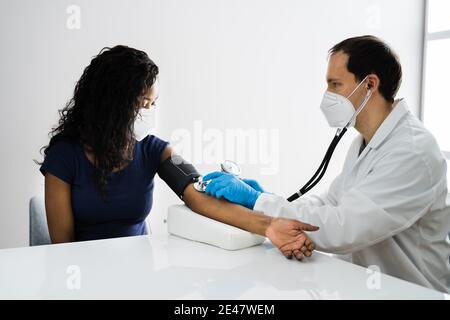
(250, 65)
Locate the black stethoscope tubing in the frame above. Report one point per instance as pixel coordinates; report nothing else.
(322, 168)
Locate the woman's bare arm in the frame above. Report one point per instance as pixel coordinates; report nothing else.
(286, 234)
(58, 208)
(226, 212)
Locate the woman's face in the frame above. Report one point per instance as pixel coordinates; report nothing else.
(148, 99)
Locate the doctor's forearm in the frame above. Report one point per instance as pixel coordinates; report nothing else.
(226, 212)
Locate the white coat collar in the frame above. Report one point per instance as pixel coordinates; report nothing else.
(400, 108)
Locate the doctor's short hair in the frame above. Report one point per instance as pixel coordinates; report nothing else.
(369, 54)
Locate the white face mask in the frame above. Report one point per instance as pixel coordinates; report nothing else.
(144, 123)
(339, 111)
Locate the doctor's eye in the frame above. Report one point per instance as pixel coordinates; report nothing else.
(335, 84)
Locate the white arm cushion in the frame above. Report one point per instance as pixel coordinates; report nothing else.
(183, 222)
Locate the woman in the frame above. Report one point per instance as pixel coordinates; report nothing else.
(101, 160)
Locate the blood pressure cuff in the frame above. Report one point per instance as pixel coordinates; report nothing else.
(178, 173)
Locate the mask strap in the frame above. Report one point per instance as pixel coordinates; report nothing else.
(361, 106)
(357, 87)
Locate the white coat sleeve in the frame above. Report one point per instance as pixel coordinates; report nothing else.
(395, 194)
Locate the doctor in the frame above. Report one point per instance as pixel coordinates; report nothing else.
(388, 205)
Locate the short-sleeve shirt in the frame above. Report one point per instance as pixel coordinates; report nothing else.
(129, 192)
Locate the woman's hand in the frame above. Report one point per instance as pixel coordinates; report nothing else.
(289, 237)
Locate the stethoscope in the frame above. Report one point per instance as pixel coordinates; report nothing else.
(317, 176)
(233, 168)
(226, 166)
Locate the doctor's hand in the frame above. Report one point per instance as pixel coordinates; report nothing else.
(289, 237)
(254, 184)
(233, 189)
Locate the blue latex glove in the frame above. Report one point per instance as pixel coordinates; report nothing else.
(225, 185)
(254, 184)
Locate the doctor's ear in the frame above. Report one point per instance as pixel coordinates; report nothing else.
(372, 82)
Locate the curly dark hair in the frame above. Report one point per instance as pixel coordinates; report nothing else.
(104, 106)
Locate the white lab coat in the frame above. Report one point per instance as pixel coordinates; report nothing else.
(387, 207)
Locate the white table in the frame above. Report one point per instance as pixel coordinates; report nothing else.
(168, 267)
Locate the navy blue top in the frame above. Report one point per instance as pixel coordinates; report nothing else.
(129, 191)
